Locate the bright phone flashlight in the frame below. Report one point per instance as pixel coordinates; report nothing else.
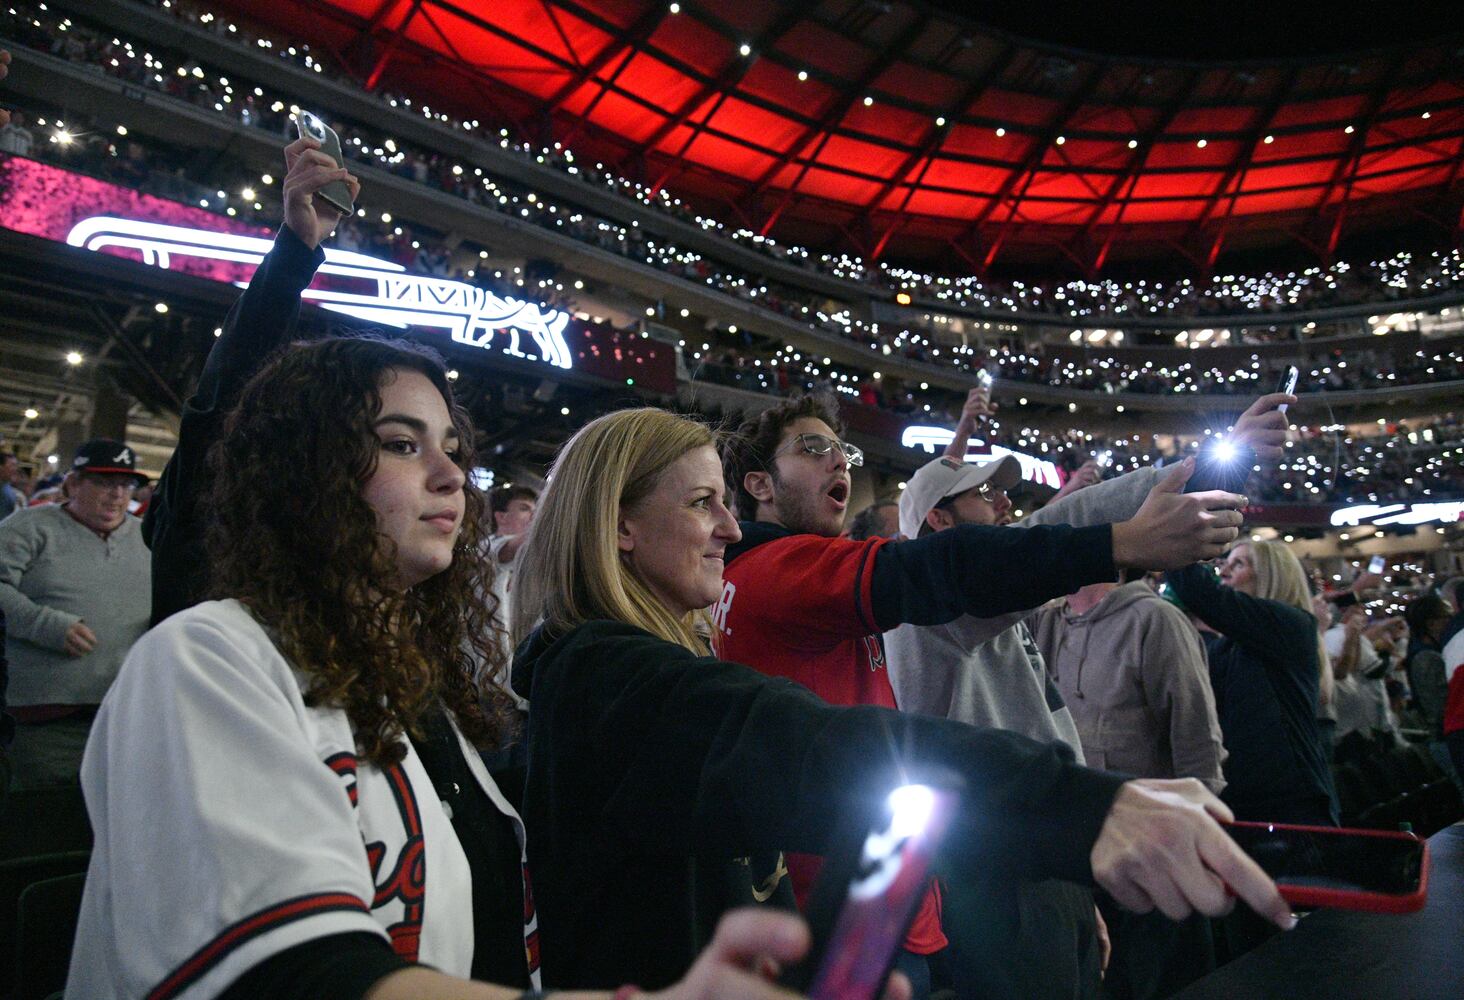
(910, 809)
(1224, 451)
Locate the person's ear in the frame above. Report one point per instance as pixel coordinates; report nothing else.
(624, 536)
(760, 485)
(939, 520)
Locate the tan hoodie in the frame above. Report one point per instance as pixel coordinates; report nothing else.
(1133, 674)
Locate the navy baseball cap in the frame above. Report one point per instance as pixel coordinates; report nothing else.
(103, 456)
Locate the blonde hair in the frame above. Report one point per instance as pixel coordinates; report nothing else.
(571, 570)
(1279, 577)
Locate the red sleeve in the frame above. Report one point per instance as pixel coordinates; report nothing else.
(805, 590)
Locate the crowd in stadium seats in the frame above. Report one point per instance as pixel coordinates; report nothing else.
(1398, 278)
(307, 780)
(1381, 467)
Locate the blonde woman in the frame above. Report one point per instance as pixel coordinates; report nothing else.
(1266, 667)
(662, 782)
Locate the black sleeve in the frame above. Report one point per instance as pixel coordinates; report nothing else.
(260, 323)
(657, 749)
(1275, 632)
(335, 967)
(985, 571)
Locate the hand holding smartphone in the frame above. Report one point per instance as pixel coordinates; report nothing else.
(336, 193)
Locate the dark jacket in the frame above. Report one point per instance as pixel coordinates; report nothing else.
(261, 322)
(651, 770)
(1265, 673)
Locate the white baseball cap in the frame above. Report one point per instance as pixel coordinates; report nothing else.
(945, 477)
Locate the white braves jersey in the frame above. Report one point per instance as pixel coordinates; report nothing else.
(233, 822)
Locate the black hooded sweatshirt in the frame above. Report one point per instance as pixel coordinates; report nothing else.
(661, 784)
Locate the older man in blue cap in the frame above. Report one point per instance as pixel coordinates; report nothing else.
(75, 580)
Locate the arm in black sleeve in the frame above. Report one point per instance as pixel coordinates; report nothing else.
(631, 727)
(335, 967)
(260, 323)
(985, 571)
(1267, 627)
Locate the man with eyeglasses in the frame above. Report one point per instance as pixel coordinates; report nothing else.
(75, 580)
(802, 603)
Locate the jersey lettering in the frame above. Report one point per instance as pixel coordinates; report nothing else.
(874, 650)
(406, 882)
(721, 609)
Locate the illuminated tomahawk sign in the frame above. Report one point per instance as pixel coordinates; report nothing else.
(389, 295)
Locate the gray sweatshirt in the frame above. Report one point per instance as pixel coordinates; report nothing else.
(55, 571)
(986, 671)
(1133, 673)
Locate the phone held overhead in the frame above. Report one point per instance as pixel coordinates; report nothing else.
(336, 193)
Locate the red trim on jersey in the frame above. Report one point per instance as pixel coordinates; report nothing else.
(408, 879)
(247, 929)
(344, 765)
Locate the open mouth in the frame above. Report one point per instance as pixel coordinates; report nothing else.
(839, 494)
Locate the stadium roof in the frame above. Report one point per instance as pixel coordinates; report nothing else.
(895, 130)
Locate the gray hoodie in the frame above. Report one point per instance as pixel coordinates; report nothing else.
(986, 671)
(1134, 676)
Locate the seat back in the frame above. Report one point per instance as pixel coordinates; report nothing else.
(45, 929)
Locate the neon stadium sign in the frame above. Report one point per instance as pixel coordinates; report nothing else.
(1038, 470)
(357, 285)
(1398, 513)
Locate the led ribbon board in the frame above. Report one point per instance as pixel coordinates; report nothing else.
(366, 287)
(1398, 513)
(930, 438)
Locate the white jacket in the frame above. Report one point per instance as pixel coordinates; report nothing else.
(232, 822)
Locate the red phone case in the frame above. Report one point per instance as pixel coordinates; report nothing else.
(1343, 899)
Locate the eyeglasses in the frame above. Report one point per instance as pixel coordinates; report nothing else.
(818, 444)
(985, 491)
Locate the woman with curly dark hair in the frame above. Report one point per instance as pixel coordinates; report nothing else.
(322, 701)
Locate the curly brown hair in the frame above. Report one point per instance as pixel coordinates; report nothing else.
(292, 537)
(750, 448)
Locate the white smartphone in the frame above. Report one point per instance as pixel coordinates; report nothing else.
(1288, 385)
(1377, 565)
(336, 193)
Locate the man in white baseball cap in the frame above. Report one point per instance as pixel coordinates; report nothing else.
(947, 492)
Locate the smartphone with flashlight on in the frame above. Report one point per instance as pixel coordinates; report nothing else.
(336, 193)
(868, 892)
(1288, 385)
(1377, 565)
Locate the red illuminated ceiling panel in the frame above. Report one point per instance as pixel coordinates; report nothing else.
(887, 128)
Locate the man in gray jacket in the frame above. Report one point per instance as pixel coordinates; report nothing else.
(74, 588)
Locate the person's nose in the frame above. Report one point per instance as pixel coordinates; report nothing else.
(445, 476)
(726, 529)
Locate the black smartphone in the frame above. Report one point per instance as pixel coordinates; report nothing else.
(1288, 385)
(868, 892)
(337, 194)
(1378, 871)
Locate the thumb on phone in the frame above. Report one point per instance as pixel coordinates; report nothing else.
(1175, 479)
